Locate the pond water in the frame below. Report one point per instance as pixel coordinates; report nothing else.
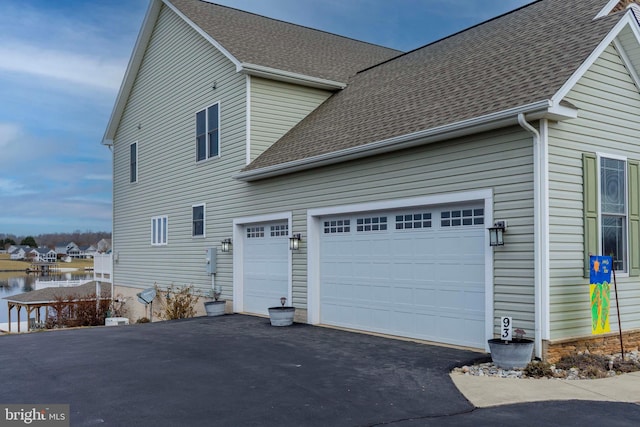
(18, 283)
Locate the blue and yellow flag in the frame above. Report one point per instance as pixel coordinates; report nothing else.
(600, 293)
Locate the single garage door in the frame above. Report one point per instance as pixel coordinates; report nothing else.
(265, 265)
(416, 272)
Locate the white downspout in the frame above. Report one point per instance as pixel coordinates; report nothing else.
(539, 226)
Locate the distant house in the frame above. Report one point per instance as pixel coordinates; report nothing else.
(68, 248)
(103, 245)
(42, 255)
(86, 251)
(19, 252)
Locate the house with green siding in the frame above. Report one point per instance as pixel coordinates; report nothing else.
(388, 168)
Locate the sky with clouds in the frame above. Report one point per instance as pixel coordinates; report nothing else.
(62, 62)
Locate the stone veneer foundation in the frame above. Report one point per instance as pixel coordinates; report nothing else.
(599, 344)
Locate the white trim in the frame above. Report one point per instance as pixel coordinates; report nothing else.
(204, 220)
(607, 8)
(248, 119)
(163, 221)
(453, 130)
(137, 162)
(545, 274)
(150, 18)
(584, 67)
(599, 156)
(627, 62)
(203, 33)
(314, 233)
(288, 76)
(206, 130)
(238, 254)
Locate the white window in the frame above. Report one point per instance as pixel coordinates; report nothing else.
(413, 220)
(198, 216)
(159, 230)
(208, 133)
(337, 226)
(280, 230)
(613, 210)
(461, 217)
(255, 232)
(133, 162)
(376, 223)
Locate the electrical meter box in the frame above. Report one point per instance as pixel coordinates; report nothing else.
(211, 261)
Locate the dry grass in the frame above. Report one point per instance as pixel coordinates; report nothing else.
(8, 264)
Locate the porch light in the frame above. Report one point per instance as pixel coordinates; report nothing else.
(496, 233)
(294, 242)
(226, 245)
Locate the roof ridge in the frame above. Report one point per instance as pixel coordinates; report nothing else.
(451, 35)
(299, 26)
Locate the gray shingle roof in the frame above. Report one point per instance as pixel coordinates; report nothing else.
(50, 294)
(514, 60)
(258, 40)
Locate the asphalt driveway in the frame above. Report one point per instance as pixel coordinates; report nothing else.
(239, 371)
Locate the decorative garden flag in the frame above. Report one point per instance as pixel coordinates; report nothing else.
(600, 291)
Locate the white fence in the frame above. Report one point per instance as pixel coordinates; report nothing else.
(103, 267)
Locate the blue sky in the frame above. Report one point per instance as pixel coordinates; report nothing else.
(62, 62)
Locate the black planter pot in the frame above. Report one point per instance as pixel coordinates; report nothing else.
(511, 354)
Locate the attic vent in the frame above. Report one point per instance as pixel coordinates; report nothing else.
(623, 4)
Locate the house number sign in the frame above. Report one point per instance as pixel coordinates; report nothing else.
(506, 328)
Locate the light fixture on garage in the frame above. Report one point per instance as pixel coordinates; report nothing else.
(496, 233)
(294, 242)
(226, 245)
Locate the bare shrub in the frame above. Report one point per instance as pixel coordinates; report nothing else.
(177, 303)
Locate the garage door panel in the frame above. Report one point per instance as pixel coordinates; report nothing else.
(265, 266)
(424, 283)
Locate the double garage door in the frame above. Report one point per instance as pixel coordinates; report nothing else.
(416, 272)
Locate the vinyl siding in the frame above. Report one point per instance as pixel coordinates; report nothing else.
(276, 107)
(609, 107)
(459, 165)
(174, 82)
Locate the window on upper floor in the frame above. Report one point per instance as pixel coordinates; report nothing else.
(613, 210)
(133, 162)
(198, 220)
(159, 230)
(208, 133)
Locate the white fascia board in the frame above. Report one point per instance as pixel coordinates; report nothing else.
(627, 19)
(607, 8)
(627, 62)
(132, 70)
(203, 33)
(288, 77)
(454, 130)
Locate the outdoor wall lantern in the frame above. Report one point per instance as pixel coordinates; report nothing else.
(226, 245)
(496, 233)
(294, 242)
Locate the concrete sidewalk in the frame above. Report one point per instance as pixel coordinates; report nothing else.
(492, 391)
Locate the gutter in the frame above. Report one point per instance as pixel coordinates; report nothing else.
(540, 226)
(466, 127)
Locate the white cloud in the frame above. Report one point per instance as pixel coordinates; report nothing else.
(8, 133)
(98, 177)
(61, 65)
(11, 188)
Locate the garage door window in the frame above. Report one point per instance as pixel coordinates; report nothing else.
(280, 230)
(337, 226)
(376, 223)
(411, 221)
(255, 232)
(461, 217)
